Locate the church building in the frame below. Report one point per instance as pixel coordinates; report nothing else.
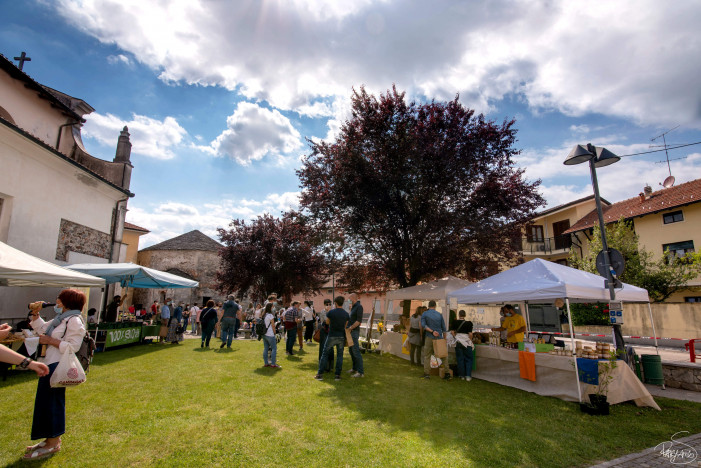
(57, 202)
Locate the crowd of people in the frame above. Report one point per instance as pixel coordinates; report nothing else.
(272, 322)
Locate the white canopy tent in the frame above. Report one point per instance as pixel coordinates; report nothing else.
(543, 281)
(437, 290)
(21, 269)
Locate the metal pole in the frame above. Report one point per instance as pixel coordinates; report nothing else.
(574, 348)
(602, 226)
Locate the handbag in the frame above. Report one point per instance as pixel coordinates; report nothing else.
(317, 335)
(440, 348)
(69, 371)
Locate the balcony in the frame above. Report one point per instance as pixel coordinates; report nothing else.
(547, 246)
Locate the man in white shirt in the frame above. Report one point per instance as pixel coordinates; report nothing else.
(195, 319)
(308, 318)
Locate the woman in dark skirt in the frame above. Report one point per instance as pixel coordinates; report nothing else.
(64, 332)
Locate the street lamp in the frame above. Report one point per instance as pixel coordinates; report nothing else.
(598, 157)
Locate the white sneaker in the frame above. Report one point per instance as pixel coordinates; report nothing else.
(468, 378)
(358, 374)
(352, 371)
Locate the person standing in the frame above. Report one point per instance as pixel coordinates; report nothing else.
(113, 309)
(195, 318)
(291, 318)
(228, 321)
(514, 325)
(462, 331)
(186, 316)
(337, 320)
(415, 337)
(208, 318)
(434, 328)
(64, 333)
(324, 333)
(220, 313)
(269, 341)
(257, 317)
(308, 317)
(173, 324)
(356, 318)
(165, 319)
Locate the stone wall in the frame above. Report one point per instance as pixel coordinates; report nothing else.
(198, 265)
(686, 376)
(81, 239)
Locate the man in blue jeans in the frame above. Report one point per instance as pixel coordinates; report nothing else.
(336, 319)
(228, 321)
(356, 318)
(291, 318)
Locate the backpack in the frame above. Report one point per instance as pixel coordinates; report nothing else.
(261, 329)
(86, 351)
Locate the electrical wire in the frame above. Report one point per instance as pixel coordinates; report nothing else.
(663, 149)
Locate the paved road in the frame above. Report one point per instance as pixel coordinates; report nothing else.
(680, 452)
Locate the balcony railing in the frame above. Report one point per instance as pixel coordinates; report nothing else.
(546, 246)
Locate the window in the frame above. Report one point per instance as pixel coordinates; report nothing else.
(673, 217)
(678, 249)
(534, 233)
(692, 299)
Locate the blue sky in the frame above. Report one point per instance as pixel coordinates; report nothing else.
(220, 96)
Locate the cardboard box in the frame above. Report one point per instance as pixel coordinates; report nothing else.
(434, 371)
(442, 372)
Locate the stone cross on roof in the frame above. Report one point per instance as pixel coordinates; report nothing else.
(23, 58)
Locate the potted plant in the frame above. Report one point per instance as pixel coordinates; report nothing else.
(598, 404)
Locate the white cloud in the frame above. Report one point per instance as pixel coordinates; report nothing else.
(632, 59)
(170, 219)
(119, 58)
(148, 136)
(254, 132)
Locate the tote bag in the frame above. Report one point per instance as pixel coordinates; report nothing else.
(440, 348)
(69, 371)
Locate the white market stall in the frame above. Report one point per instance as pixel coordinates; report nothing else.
(437, 290)
(543, 281)
(19, 269)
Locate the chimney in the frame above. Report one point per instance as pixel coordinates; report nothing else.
(647, 190)
(124, 147)
(641, 195)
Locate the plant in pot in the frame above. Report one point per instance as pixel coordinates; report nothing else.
(598, 404)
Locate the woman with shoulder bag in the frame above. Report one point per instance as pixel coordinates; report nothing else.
(462, 331)
(64, 333)
(415, 337)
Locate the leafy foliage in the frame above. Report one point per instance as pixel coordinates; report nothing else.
(589, 314)
(417, 190)
(662, 277)
(270, 255)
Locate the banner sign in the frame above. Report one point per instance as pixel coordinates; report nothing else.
(122, 336)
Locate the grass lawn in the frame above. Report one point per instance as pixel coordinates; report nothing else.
(166, 405)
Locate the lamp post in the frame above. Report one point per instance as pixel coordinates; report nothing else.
(599, 157)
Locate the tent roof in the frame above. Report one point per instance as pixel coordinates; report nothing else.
(543, 280)
(21, 269)
(134, 276)
(435, 290)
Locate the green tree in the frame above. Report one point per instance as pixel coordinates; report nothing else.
(662, 277)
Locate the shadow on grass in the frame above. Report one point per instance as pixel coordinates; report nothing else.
(108, 357)
(486, 421)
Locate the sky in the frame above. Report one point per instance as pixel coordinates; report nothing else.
(222, 97)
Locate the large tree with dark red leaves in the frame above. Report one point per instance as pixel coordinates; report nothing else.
(270, 255)
(418, 190)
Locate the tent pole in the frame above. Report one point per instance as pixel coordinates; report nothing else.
(654, 333)
(574, 356)
(528, 318)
